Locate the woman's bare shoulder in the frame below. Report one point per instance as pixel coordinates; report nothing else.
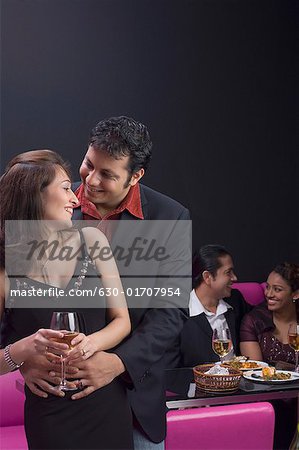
(94, 236)
(4, 284)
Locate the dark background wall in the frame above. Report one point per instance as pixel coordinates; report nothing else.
(214, 81)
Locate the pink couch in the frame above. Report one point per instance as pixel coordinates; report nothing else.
(247, 426)
(252, 292)
(12, 434)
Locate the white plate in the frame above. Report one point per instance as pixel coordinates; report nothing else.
(261, 364)
(248, 376)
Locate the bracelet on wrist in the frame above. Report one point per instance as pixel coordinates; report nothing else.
(9, 361)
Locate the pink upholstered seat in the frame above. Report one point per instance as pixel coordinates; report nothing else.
(12, 434)
(252, 292)
(263, 285)
(13, 438)
(232, 427)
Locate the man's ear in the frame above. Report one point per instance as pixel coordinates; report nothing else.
(206, 276)
(136, 177)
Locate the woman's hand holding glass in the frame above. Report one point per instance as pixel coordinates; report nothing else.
(47, 341)
(82, 349)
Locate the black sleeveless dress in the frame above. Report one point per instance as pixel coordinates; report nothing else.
(101, 420)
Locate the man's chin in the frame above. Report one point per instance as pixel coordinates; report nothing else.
(228, 292)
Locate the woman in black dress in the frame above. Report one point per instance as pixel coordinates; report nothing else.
(52, 257)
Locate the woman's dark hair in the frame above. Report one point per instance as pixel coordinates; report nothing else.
(123, 136)
(21, 187)
(24, 179)
(207, 258)
(290, 273)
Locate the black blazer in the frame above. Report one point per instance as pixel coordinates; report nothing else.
(194, 345)
(154, 330)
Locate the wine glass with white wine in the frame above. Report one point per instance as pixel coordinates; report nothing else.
(221, 342)
(68, 324)
(293, 337)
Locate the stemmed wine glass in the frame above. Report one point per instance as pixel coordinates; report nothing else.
(293, 336)
(68, 324)
(221, 342)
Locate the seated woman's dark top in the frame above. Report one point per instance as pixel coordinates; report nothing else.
(258, 326)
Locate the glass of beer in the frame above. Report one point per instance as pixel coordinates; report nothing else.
(293, 337)
(221, 342)
(68, 324)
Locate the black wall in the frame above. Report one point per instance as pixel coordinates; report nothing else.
(214, 80)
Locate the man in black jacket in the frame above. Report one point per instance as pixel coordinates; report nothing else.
(213, 303)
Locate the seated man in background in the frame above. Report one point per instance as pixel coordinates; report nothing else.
(213, 303)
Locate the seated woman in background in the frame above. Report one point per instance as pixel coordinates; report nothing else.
(213, 303)
(264, 330)
(264, 337)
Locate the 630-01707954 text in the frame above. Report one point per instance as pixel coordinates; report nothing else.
(100, 291)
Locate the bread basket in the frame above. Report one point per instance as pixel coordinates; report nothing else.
(216, 383)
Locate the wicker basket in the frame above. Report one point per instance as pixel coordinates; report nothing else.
(216, 383)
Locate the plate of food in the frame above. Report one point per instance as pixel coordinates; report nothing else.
(245, 364)
(270, 375)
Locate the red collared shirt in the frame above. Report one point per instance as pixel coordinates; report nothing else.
(132, 202)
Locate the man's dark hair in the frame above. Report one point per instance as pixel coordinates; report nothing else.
(123, 136)
(207, 258)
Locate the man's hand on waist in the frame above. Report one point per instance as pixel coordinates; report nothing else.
(37, 375)
(95, 372)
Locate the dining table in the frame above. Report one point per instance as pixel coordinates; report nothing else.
(181, 391)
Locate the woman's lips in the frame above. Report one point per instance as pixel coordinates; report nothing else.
(271, 302)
